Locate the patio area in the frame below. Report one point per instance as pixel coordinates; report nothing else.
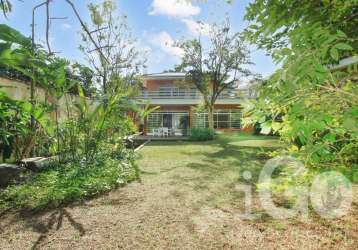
(164, 124)
(160, 138)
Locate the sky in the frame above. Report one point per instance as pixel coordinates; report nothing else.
(156, 24)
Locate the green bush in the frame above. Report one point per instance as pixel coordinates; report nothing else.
(70, 182)
(201, 134)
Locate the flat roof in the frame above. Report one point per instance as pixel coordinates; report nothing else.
(165, 75)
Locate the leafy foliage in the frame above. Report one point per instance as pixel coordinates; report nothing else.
(72, 182)
(82, 76)
(273, 21)
(117, 54)
(202, 134)
(18, 60)
(89, 140)
(16, 135)
(308, 101)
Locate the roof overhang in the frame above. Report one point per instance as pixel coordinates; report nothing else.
(164, 76)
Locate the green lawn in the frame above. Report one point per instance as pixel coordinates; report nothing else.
(203, 177)
(211, 167)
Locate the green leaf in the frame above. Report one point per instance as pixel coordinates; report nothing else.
(350, 124)
(343, 46)
(334, 54)
(4, 46)
(265, 128)
(277, 126)
(341, 34)
(9, 34)
(320, 68)
(329, 137)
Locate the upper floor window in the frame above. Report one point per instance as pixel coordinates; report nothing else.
(172, 91)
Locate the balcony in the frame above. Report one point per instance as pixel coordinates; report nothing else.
(184, 94)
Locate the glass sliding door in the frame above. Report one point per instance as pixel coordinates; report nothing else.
(180, 123)
(167, 120)
(177, 121)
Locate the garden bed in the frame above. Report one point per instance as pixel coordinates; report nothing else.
(186, 200)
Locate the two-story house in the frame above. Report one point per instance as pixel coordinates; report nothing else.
(178, 106)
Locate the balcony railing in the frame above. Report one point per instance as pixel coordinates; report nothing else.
(189, 94)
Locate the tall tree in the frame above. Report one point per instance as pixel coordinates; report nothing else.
(119, 56)
(82, 76)
(216, 68)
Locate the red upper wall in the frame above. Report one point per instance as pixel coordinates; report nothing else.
(155, 84)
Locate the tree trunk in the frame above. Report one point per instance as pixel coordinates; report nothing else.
(104, 82)
(211, 116)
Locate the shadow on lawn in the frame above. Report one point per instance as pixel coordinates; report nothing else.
(44, 227)
(56, 218)
(229, 157)
(220, 169)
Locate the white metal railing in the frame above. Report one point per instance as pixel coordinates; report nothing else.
(183, 94)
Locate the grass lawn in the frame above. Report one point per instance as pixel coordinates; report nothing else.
(212, 167)
(203, 177)
(187, 199)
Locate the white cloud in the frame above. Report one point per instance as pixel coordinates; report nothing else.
(66, 26)
(174, 8)
(166, 44)
(197, 28)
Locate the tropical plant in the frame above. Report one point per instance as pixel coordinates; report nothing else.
(16, 136)
(316, 100)
(89, 140)
(15, 54)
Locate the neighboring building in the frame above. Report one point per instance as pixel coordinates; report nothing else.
(178, 102)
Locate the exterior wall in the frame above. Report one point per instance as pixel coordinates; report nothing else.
(155, 84)
(189, 108)
(185, 104)
(227, 106)
(21, 91)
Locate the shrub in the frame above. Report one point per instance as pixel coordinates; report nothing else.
(70, 182)
(201, 134)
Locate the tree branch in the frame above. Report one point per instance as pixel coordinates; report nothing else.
(85, 28)
(48, 26)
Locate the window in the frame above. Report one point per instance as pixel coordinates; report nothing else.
(178, 91)
(200, 120)
(165, 91)
(172, 91)
(222, 119)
